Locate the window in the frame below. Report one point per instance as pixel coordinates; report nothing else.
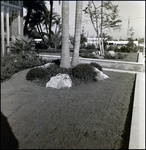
(14, 3)
(13, 22)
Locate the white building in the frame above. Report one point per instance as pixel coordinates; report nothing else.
(92, 41)
(118, 43)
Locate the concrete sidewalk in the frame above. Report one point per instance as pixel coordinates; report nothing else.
(137, 133)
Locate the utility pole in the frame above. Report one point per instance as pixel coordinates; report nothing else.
(128, 27)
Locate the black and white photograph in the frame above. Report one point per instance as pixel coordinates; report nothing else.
(72, 74)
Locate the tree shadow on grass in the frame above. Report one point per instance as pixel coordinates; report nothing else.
(8, 140)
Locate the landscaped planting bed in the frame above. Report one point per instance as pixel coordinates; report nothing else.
(94, 115)
(84, 116)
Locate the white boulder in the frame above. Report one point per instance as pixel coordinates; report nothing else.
(100, 74)
(111, 53)
(59, 81)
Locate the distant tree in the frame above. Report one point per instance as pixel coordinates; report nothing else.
(83, 40)
(103, 15)
(34, 5)
(130, 45)
(56, 36)
(131, 32)
(141, 40)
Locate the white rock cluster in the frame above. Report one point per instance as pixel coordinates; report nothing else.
(111, 53)
(100, 74)
(59, 81)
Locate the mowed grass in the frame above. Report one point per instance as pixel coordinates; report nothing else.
(89, 116)
(131, 57)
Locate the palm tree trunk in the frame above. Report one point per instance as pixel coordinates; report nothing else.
(26, 22)
(78, 22)
(39, 29)
(65, 53)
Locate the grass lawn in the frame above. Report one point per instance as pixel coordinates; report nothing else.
(131, 57)
(92, 116)
(89, 116)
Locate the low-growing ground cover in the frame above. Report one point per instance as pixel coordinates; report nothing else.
(89, 116)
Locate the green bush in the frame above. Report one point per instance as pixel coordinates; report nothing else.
(117, 56)
(90, 46)
(54, 69)
(82, 73)
(96, 65)
(13, 64)
(88, 55)
(56, 61)
(85, 72)
(123, 49)
(22, 44)
(36, 73)
(112, 48)
(7, 67)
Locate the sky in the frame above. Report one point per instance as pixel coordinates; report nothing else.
(133, 9)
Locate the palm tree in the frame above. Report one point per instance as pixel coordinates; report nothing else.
(36, 19)
(40, 19)
(78, 22)
(56, 37)
(65, 53)
(33, 5)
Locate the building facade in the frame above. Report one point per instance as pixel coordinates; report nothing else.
(11, 23)
(118, 43)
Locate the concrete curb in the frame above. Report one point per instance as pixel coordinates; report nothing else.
(113, 64)
(137, 133)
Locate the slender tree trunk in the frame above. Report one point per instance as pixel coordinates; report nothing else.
(39, 29)
(78, 22)
(98, 34)
(102, 46)
(65, 53)
(51, 10)
(26, 22)
(97, 28)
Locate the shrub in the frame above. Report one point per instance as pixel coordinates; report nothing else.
(36, 73)
(7, 67)
(46, 73)
(84, 72)
(117, 56)
(90, 46)
(57, 62)
(88, 55)
(96, 65)
(13, 64)
(81, 73)
(123, 49)
(112, 48)
(23, 44)
(54, 69)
